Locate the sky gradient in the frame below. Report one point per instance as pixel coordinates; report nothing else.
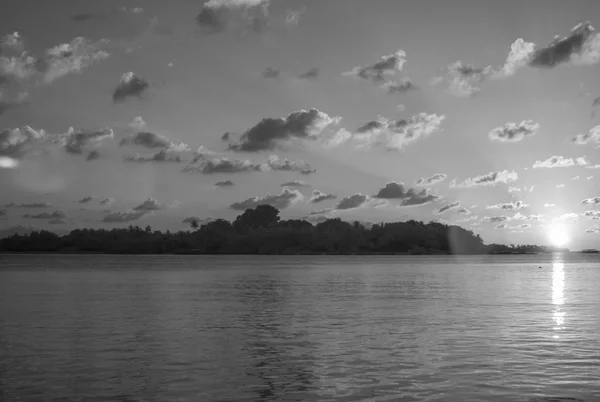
(475, 113)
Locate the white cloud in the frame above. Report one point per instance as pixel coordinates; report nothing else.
(489, 179)
(513, 132)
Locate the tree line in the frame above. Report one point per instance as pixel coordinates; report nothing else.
(261, 231)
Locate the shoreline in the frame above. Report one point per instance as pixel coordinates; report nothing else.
(357, 253)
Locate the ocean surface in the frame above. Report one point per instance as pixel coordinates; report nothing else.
(299, 328)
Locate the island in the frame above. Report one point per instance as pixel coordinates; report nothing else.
(260, 230)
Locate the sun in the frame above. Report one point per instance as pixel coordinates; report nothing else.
(557, 234)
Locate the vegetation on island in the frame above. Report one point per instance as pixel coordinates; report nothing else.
(261, 231)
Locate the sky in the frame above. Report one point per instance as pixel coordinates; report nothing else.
(480, 113)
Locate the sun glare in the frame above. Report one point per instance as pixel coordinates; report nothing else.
(557, 234)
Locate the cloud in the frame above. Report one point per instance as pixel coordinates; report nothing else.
(570, 216)
(559, 161)
(224, 183)
(496, 219)
(377, 72)
(591, 201)
(581, 46)
(431, 180)
(151, 140)
(138, 123)
(394, 87)
(448, 207)
(462, 80)
(85, 200)
(575, 178)
(57, 221)
(501, 226)
(401, 107)
(592, 214)
(17, 141)
(408, 197)
(271, 72)
(149, 205)
(464, 211)
(11, 41)
(593, 229)
(593, 136)
(130, 85)
(513, 189)
(216, 14)
(519, 55)
(509, 206)
(274, 163)
(224, 165)
(354, 201)
(269, 132)
(47, 215)
(394, 134)
(292, 17)
(75, 142)
(549, 205)
(279, 201)
(468, 219)
(319, 196)
(311, 74)
(489, 179)
(128, 216)
(560, 186)
(295, 183)
(107, 201)
(92, 155)
(589, 177)
(513, 132)
(163, 155)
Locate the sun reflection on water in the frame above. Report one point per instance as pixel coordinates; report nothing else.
(558, 298)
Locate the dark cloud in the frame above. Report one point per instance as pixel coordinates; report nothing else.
(34, 205)
(592, 214)
(197, 219)
(2, 212)
(279, 201)
(509, 206)
(319, 196)
(160, 156)
(130, 85)
(464, 211)
(271, 72)
(562, 50)
(85, 16)
(225, 137)
(225, 183)
(447, 207)
(92, 155)
(408, 197)
(107, 201)
(377, 72)
(593, 229)
(152, 140)
(311, 74)
(76, 141)
(513, 132)
(431, 180)
(212, 20)
(354, 201)
(85, 200)
(149, 205)
(269, 132)
(488, 179)
(46, 215)
(295, 183)
(116, 217)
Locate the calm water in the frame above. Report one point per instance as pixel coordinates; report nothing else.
(302, 328)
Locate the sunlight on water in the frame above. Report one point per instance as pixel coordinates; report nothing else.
(558, 298)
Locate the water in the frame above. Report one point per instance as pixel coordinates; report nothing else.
(301, 328)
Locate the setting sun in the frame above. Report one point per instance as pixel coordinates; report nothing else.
(557, 234)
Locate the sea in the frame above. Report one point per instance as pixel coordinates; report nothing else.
(300, 328)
